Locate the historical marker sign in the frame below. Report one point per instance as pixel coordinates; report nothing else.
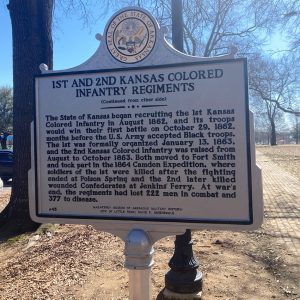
(154, 144)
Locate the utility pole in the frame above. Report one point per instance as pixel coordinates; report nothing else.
(184, 276)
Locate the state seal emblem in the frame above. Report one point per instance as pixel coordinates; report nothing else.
(131, 36)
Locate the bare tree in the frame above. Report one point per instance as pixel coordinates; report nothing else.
(291, 23)
(210, 25)
(32, 44)
(295, 121)
(273, 83)
(261, 124)
(32, 23)
(276, 81)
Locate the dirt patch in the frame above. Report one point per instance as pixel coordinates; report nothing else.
(79, 262)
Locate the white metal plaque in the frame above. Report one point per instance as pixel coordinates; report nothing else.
(163, 144)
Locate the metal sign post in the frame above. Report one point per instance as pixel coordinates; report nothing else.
(138, 259)
(139, 142)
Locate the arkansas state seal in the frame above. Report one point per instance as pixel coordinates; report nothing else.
(131, 36)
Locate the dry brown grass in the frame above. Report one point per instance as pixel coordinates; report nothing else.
(286, 156)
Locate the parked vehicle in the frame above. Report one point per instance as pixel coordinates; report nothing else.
(6, 165)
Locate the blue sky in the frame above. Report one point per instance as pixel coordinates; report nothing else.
(73, 43)
(6, 47)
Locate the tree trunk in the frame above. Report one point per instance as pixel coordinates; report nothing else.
(297, 132)
(273, 134)
(32, 45)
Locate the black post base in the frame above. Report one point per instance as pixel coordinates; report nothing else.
(184, 282)
(184, 277)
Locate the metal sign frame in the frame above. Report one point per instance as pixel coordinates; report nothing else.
(254, 204)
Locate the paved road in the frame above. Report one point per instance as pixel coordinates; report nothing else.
(282, 204)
